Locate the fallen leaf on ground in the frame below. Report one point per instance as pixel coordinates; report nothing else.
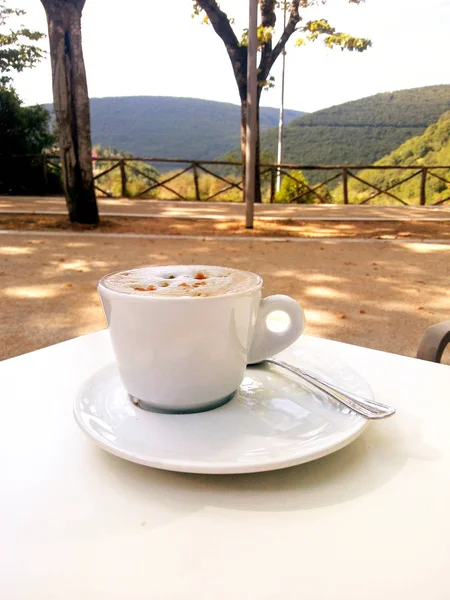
(342, 316)
(362, 311)
(420, 308)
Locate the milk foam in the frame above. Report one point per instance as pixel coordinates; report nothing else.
(181, 280)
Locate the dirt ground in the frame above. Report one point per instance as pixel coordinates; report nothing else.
(376, 293)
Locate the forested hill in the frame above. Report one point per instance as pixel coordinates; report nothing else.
(362, 131)
(168, 127)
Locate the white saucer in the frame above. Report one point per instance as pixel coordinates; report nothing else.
(271, 423)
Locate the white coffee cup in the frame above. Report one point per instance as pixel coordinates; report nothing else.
(180, 354)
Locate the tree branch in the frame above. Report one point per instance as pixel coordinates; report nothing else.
(268, 20)
(221, 24)
(268, 13)
(268, 58)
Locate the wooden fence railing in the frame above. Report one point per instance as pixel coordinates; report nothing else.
(155, 184)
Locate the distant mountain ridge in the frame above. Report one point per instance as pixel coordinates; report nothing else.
(170, 127)
(361, 131)
(358, 132)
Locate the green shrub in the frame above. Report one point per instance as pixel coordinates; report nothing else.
(24, 131)
(293, 185)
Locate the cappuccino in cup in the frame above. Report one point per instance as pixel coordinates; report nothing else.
(182, 335)
(181, 281)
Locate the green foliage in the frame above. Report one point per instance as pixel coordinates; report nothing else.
(309, 31)
(165, 127)
(294, 188)
(430, 148)
(23, 131)
(362, 131)
(16, 53)
(331, 38)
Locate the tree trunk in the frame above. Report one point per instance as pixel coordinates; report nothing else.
(238, 57)
(71, 105)
(243, 148)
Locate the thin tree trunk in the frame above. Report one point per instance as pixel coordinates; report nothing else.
(71, 105)
(238, 57)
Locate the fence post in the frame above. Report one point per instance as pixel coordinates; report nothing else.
(197, 189)
(273, 184)
(123, 178)
(345, 185)
(423, 182)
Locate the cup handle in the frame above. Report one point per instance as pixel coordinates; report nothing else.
(266, 343)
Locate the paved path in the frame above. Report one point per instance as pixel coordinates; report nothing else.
(222, 210)
(225, 238)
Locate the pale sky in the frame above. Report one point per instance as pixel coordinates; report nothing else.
(155, 48)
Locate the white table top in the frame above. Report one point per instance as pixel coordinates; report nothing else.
(370, 521)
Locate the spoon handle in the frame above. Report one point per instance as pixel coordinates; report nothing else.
(370, 409)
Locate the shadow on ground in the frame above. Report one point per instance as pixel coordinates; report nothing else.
(377, 294)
